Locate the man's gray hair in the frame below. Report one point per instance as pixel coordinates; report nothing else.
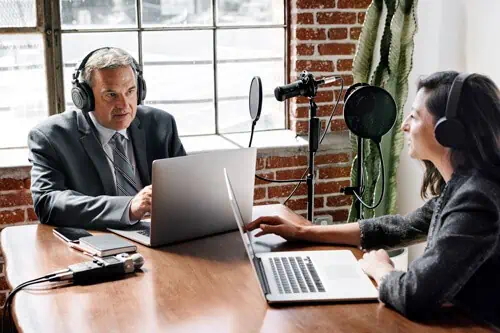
(107, 58)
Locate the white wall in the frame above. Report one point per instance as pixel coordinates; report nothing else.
(439, 45)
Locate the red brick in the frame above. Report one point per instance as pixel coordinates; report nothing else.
(334, 172)
(300, 127)
(336, 49)
(9, 184)
(330, 187)
(3, 283)
(348, 80)
(16, 199)
(259, 193)
(261, 163)
(337, 33)
(285, 190)
(336, 18)
(310, 34)
(338, 125)
(331, 158)
(342, 96)
(357, 4)
(31, 215)
(322, 111)
(314, 65)
(11, 216)
(305, 49)
(361, 18)
(339, 200)
(304, 18)
(321, 97)
(355, 32)
(315, 4)
(267, 175)
(290, 174)
(337, 215)
(269, 202)
(301, 204)
(344, 65)
(286, 161)
(27, 183)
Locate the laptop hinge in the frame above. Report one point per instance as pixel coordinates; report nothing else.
(261, 275)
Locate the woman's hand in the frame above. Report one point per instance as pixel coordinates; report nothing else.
(376, 264)
(288, 229)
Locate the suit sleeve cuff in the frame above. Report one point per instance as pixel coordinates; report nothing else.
(125, 220)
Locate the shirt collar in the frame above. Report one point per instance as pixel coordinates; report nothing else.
(105, 134)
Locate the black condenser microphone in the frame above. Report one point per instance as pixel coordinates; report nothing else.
(290, 90)
(100, 269)
(305, 86)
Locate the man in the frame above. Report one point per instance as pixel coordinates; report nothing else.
(92, 168)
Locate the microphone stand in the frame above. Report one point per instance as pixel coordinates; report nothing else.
(314, 128)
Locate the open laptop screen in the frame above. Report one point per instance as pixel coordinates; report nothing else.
(246, 236)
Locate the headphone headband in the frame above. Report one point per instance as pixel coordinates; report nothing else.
(81, 93)
(454, 95)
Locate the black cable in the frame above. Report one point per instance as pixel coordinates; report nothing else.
(383, 183)
(10, 298)
(321, 140)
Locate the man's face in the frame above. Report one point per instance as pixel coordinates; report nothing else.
(115, 94)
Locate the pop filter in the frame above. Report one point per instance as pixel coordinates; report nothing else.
(369, 111)
(255, 98)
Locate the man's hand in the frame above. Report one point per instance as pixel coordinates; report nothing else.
(376, 264)
(141, 203)
(285, 228)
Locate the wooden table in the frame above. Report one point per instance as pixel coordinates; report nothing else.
(206, 285)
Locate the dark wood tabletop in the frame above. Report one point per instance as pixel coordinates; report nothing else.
(205, 285)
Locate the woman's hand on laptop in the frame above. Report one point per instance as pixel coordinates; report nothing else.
(288, 229)
(141, 203)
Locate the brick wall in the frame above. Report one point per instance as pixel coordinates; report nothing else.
(323, 36)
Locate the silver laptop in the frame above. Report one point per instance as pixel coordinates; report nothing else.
(190, 198)
(303, 275)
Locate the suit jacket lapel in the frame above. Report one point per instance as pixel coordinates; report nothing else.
(96, 153)
(139, 143)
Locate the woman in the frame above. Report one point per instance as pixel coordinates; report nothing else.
(461, 263)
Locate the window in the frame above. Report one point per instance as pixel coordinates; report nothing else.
(198, 58)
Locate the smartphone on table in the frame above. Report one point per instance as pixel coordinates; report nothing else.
(70, 235)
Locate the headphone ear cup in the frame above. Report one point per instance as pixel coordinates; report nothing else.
(141, 89)
(82, 96)
(450, 133)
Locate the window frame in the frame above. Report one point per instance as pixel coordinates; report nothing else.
(48, 23)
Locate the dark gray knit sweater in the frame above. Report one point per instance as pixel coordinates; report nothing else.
(461, 263)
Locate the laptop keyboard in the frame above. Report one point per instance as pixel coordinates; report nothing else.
(295, 275)
(142, 228)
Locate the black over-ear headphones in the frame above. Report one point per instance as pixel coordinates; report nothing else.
(82, 95)
(449, 130)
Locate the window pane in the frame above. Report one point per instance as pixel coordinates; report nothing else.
(17, 13)
(76, 46)
(176, 12)
(23, 86)
(95, 14)
(178, 68)
(241, 55)
(245, 12)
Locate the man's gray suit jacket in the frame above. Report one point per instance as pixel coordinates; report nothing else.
(71, 181)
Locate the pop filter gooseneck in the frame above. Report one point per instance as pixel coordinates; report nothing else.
(369, 113)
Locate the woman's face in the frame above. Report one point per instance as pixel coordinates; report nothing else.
(419, 128)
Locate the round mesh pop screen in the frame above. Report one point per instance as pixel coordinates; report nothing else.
(369, 111)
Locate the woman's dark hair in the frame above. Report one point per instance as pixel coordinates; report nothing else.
(479, 111)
